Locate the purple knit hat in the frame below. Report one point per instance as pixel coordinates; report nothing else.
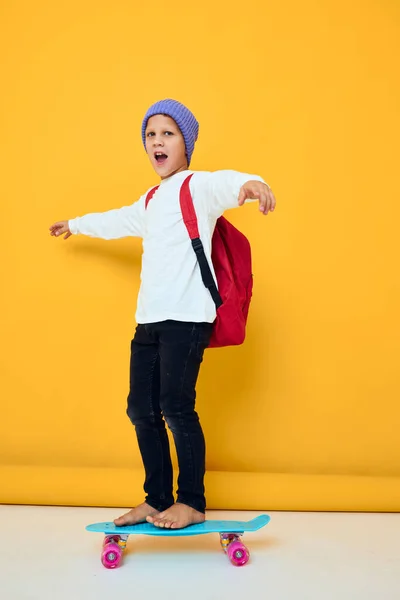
(182, 116)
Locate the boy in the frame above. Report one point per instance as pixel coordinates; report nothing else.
(175, 312)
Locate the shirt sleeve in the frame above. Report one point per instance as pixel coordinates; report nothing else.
(113, 224)
(223, 190)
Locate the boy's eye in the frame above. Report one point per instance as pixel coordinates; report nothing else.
(152, 134)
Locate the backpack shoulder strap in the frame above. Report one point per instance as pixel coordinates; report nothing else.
(190, 220)
(188, 211)
(150, 195)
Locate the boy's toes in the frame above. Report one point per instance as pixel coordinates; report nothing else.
(157, 523)
(150, 519)
(156, 520)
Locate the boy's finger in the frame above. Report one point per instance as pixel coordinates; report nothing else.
(263, 202)
(269, 203)
(242, 196)
(273, 200)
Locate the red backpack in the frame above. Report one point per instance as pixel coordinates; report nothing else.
(231, 257)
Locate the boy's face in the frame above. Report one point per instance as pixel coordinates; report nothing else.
(165, 146)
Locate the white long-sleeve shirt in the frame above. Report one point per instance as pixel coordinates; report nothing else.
(171, 283)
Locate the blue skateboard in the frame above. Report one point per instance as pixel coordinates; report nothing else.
(229, 532)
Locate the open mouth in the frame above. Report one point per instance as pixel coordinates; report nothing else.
(160, 157)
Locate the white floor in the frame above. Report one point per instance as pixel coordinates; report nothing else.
(45, 553)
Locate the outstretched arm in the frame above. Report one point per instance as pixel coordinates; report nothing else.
(113, 224)
(230, 189)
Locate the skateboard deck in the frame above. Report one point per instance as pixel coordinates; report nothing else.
(229, 531)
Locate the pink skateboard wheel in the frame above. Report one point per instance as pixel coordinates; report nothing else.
(111, 555)
(238, 554)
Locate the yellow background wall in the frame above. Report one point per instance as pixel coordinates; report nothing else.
(306, 414)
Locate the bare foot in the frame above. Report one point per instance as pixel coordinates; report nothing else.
(136, 515)
(176, 517)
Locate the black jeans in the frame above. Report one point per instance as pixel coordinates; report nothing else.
(165, 363)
